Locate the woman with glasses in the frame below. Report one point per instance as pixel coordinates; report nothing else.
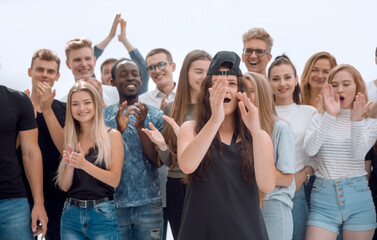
(284, 83)
(90, 169)
(228, 156)
(339, 136)
(193, 72)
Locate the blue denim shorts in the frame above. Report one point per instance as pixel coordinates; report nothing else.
(344, 202)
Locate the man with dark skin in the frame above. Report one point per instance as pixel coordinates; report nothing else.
(138, 198)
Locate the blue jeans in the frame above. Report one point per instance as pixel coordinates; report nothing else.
(344, 202)
(141, 223)
(300, 213)
(278, 219)
(97, 222)
(15, 221)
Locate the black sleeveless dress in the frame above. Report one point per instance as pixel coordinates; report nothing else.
(223, 205)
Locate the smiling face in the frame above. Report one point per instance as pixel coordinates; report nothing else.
(161, 78)
(344, 85)
(44, 72)
(319, 73)
(82, 107)
(253, 62)
(106, 73)
(81, 62)
(283, 82)
(196, 74)
(230, 99)
(128, 80)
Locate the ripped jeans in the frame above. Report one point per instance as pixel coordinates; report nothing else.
(141, 223)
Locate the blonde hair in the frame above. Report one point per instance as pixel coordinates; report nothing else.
(264, 101)
(99, 133)
(77, 43)
(358, 79)
(304, 84)
(258, 33)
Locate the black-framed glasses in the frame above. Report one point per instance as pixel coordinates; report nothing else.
(258, 52)
(160, 65)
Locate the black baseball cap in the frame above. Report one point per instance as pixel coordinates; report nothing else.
(228, 58)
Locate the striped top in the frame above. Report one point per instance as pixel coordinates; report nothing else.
(339, 144)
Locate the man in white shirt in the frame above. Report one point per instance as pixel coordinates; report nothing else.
(160, 68)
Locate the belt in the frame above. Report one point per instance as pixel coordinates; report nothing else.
(87, 203)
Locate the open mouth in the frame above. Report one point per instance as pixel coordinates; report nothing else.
(341, 98)
(226, 100)
(253, 63)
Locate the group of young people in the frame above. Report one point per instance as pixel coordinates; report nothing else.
(219, 154)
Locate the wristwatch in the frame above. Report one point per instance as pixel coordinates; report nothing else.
(308, 175)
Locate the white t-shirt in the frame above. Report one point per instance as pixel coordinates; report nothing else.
(299, 117)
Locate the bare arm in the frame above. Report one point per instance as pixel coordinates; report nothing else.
(32, 160)
(368, 166)
(192, 148)
(102, 45)
(283, 179)
(111, 176)
(55, 129)
(302, 177)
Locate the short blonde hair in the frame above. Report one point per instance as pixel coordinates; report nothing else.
(258, 33)
(77, 43)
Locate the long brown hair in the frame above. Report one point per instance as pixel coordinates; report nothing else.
(181, 101)
(359, 81)
(203, 114)
(305, 86)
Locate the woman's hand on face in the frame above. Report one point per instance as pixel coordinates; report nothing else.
(332, 102)
(217, 94)
(249, 113)
(78, 159)
(122, 120)
(155, 136)
(359, 107)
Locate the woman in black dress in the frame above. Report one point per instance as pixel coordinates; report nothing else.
(228, 156)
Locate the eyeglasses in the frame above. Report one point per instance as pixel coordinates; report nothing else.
(258, 52)
(160, 65)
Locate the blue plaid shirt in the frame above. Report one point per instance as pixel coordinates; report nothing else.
(139, 184)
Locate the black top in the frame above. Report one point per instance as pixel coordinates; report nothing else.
(371, 155)
(223, 206)
(86, 187)
(17, 114)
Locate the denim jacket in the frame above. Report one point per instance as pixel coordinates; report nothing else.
(139, 184)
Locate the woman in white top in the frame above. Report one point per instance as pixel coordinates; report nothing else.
(284, 83)
(339, 136)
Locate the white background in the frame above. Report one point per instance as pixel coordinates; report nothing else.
(346, 29)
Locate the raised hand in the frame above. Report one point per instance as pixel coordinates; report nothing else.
(249, 113)
(78, 158)
(163, 102)
(114, 26)
(155, 136)
(359, 107)
(122, 36)
(27, 92)
(67, 155)
(172, 123)
(332, 102)
(140, 112)
(217, 94)
(47, 96)
(123, 120)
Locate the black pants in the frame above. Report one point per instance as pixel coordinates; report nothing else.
(175, 197)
